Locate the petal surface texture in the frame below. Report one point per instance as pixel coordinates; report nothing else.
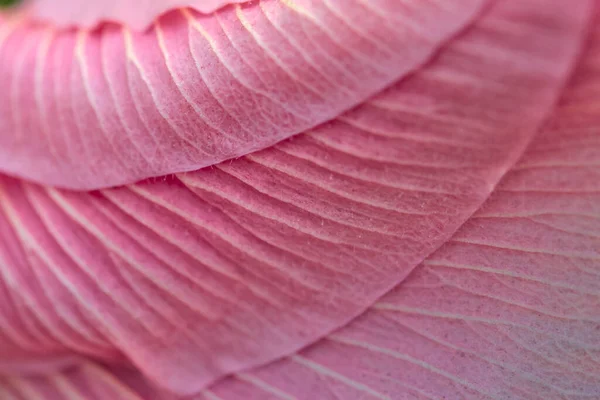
(195, 276)
(91, 109)
(508, 308)
(86, 382)
(138, 14)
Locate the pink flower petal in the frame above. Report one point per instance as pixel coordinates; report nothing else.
(216, 271)
(87, 382)
(508, 308)
(137, 14)
(86, 110)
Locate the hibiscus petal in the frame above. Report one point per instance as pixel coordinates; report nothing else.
(86, 110)
(137, 14)
(212, 272)
(509, 308)
(86, 382)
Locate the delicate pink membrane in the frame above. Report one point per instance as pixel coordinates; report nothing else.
(137, 14)
(445, 188)
(86, 110)
(508, 308)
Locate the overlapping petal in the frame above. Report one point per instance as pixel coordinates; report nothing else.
(508, 308)
(137, 14)
(202, 274)
(90, 109)
(86, 382)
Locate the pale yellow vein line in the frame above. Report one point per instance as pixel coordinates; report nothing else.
(555, 164)
(307, 56)
(453, 265)
(469, 80)
(532, 214)
(203, 309)
(313, 212)
(35, 306)
(248, 26)
(411, 23)
(87, 146)
(325, 166)
(294, 6)
(499, 52)
(14, 289)
(129, 50)
(8, 329)
(392, 160)
(26, 389)
(337, 376)
(331, 188)
(257, 290)
(509, 302)
(171, 317)
(210, 395)
(33, 244)
(417, 137)
(60, 90)
(80, 42)
(552, 191)
(179, 83)
(561, 360)
(266, 93)
(259, 383)
(66, 388)
(564, 229)
(574, 145)
(412, 360)
(390, 307)
(352, 25)
(198, 184)
(194, 24)
(433, 111)
(29, 243)
(524, 249)
(227, 273)
(331, 145)
(126, 128)
(8, 28)
(159, 281)
(232, 241)
(101, 374)
(524, 374)
(18, 66)
(273, 217)
(40, 67)
(5, 394)
(505, 25)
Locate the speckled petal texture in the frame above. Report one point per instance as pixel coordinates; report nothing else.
(137, 14)
(430, 232)
(89, 109)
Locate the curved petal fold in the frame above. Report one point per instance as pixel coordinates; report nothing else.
(87, 381)
(195, 276)
(138, 14)
(508, 308)
(91, 109)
